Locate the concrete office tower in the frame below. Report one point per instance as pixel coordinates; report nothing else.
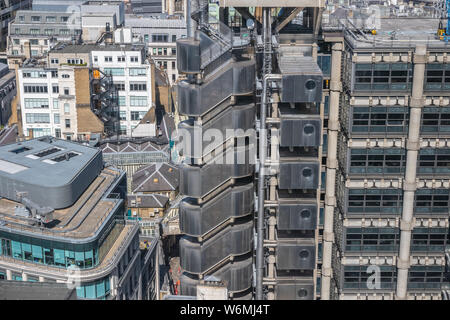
(216, 215)
(62, 220)
(387, 187)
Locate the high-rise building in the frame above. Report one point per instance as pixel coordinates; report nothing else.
(350, 187)
(8, 10)
(62, 220)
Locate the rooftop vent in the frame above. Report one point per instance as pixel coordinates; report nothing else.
(66, 156)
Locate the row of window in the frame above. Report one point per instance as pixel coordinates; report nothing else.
(47, 18)
(393, 161)
(164, 51)
(390, 201)
(380, 119)
(388, 239)
(385, 277)
(119, 59)
(135, 115)
(121, 71)
(36, 31)
(135, 101)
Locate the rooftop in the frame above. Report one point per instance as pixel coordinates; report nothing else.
(147, 201)
(52, 172)
(87, 48)
(26, 290)
(155, 178)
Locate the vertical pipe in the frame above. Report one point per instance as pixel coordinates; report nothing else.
(262, 160)
(330, 197)
(409, 181)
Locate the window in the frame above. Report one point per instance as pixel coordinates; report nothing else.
(55, 104)
(35, 103)
(95, 59)
(21, 18)
(174, 38)
(56, 118)
(138, 101)
(120, 86)
(35, 18)
(138, 71)
(66, 76)
(64, 31)
(377, 160)
(34, 42)
(146, 38)
(35, 31)
(383, 76)
(160, 38)
(35, 88)
(115, 71)
(432, 201)
(123, 115)
(429, 239)
(49, 31)
(165, 51)
(50, 19)
(173, 65)
(435, 119)
(108, 59)
(64, 19)
(54, 61)
(174, 51)
(138, 87)
(34, 74)
(122, 101)
(324, 63)
(37, 117)
(121, 59)
(66, 108)
(67, 123)
(66, 91)
(134, 59)
(55, 88)
(434, 161)
(372, 239)
(57, 133)
(173, 78)
(137, 115)
(426, 277)
(54, 74)
(375, 201)
(437, 77)
(15, 52)
(356, 277)
(16, 41)
(34, 53)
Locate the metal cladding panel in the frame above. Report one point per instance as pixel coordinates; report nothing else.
(301, 88)
(197, 220)
(297, 216)
(234, 117)
(237, 275)
(235, 78)
(295, 256)
(188, 55)
(294, 291)
(198, 181)
(299, 175)
(300, 132)
(232, 241)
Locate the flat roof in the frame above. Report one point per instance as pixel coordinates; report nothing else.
(26, 290)
(87, 48)
(48, 171)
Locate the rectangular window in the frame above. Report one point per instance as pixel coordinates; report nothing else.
(67, 122)
(66, 91)
(115, 71)
(137, 115)
(50, 19)
(66, 108)
(121, 59)
(64, 31)
(55, 73)
(30, 88)
(49, 31)
(34, 42)
(134, 59)
(56, 118)
(138, 71)
(174, 38)
(37, 117)
(55, 88)
(160, 38)
(122, 101)
(108, 59)
(138, 87)
(35, 18)
(123, 115)
(120, 86)
(36, 103)
(57, 133)
(138, 101)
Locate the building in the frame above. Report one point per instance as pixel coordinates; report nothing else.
(390, 182)
(31, 290)
(157, 179)
(160, 35)
(34, 33)
(64, 222)
(8, 10)
(57, 101)
(352, 190)
(7, 93)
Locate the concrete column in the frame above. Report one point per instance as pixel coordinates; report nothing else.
(409, 181)
(8, 275)
(41, 279)
(330, 197)
(171, 7)
(24, 277)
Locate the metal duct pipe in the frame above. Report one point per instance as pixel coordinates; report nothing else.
(409, 182)
(330, 197)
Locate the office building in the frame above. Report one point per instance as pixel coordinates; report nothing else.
(62, 220)
(8, 11)
(7, 93)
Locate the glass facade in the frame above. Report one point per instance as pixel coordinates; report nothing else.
(383, 76)
(380, 119)
(99, 289)
(377, 160)
(437, 77)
